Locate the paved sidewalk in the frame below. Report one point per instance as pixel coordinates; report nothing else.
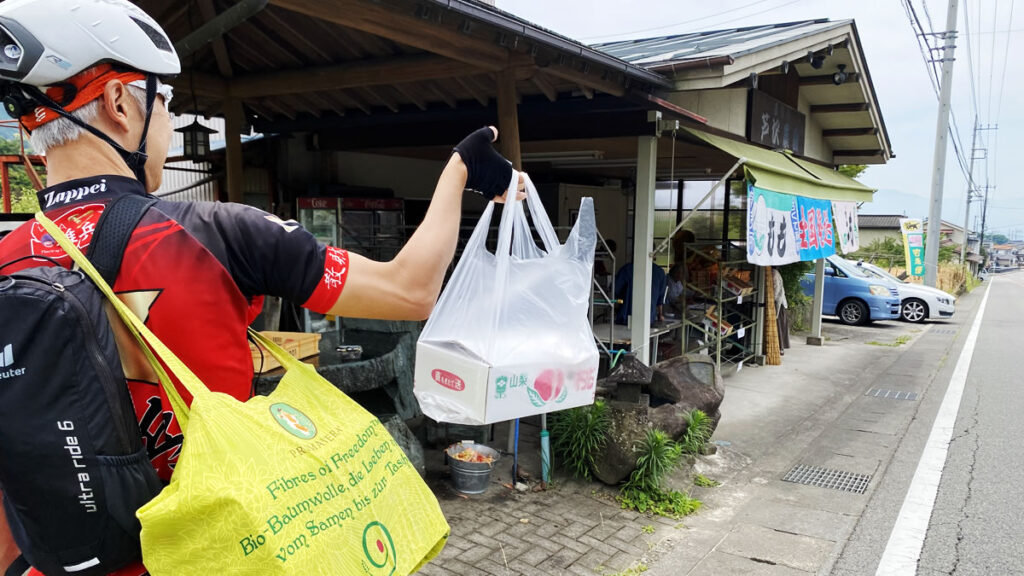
(811, 410)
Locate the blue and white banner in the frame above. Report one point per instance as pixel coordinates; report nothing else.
(847, 228)
(782, 228)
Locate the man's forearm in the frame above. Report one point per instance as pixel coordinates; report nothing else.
(424, 259)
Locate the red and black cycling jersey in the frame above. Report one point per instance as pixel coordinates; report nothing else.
(195, 272)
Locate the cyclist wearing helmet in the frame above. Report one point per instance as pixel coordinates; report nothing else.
(84, 76)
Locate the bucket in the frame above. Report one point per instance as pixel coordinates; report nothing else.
(471, 477)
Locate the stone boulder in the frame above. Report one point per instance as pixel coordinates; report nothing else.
(685, 383)
(406, 441)
(629, 425)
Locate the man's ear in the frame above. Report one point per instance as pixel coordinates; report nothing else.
(117, 106)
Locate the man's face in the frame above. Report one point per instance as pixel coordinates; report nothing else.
(158, 142)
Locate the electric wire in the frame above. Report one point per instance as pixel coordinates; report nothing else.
(930, 64)
(690, 21)
(970, 61)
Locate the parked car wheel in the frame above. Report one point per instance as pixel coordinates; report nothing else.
(914, 310)
(853, 313)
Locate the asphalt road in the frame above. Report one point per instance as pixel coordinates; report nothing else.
(977, 523)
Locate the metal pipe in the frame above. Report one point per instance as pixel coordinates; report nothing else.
(219, 26)
(665, 243)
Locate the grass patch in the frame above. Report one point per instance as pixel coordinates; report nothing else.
(705, 482)
(640, 568)
(900, 341)
(649, 529)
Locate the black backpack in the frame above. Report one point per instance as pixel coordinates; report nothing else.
(72, 466)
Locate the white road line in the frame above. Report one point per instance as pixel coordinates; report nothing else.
(907, 538)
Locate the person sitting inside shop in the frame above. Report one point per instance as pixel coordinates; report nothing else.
(624, 292)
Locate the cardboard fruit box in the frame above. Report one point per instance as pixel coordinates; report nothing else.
(299, 344)
(454, 385)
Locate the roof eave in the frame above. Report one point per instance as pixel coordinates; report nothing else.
(510, 23)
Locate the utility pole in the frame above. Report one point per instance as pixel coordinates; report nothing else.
(931, 253)
(971, 188)
(984, 212)
(970, 192)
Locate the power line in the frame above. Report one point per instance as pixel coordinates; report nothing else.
(970, 58)
(692, 20)
(992, 60)
(1006, 58)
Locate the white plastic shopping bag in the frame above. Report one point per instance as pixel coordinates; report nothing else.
(509, 336)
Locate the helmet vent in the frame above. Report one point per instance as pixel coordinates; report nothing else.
(159, 40)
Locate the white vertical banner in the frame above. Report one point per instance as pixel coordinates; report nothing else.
(847, 230)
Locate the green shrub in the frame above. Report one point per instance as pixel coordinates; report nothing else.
(673, 504)
(698, 431)
(578, 434)
(656, 456)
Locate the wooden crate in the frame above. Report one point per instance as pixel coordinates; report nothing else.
(298, 344)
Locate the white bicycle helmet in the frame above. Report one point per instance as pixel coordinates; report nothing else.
(43, 42)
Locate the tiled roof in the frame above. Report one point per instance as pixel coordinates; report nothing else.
(879, 221)
(733, 42)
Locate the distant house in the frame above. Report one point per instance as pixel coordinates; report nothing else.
(879, 227)
(1005, 256)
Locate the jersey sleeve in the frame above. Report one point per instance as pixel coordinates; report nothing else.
(266, 255)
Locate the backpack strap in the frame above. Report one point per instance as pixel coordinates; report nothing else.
(113, 230)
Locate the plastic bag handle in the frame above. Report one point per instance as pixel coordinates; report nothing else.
(540, 217)
(508, 214)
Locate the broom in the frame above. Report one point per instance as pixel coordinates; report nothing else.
(772, 352)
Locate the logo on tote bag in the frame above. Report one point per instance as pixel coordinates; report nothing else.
(295, 422)
(379, 548)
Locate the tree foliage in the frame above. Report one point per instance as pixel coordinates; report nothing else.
(23, 194)
(852, 170)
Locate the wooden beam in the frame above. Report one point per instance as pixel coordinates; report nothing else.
(373, 72)
(374, 95)
(353, 101)
(825, 79)
(857, 153)
(542, 83)
(508, 119)
(835, 108)
(220, 50)
(441, 94)
(479, 95)
(834, 133)
(588, 92)
(582, 78)
(234, 118)
(410, 93)
(403, 28)
(203, 84)
(299, 37)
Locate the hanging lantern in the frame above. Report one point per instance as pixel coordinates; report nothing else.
(197, 140)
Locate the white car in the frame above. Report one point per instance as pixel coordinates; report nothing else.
(917, 301)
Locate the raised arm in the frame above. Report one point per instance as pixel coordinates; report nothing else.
(407, 287)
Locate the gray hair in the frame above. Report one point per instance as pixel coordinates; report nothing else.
(61, 131)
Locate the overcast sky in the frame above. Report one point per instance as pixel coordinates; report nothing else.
(908, 102)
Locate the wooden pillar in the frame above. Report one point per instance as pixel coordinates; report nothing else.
(6, 178)
(234, 118)
(508, 118)
(643, 245)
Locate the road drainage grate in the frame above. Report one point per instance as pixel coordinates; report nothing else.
(946, 331)
(891, 394)
(828, 478)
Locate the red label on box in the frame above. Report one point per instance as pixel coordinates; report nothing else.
(448, 380)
